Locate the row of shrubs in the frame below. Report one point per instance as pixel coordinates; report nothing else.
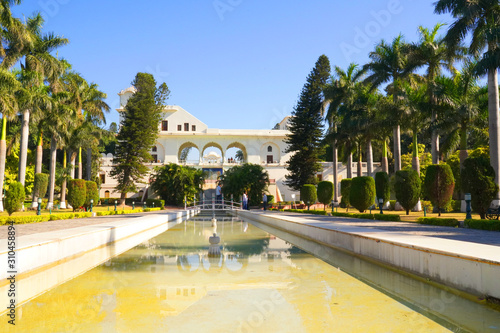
(382, 217)
(68, 216)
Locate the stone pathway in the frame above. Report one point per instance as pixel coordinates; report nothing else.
(34, 228)
(460, 234)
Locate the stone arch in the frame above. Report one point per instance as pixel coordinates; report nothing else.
(213, 144)
(185, 145)
(159, 152)
(275, 153)
(239, 146)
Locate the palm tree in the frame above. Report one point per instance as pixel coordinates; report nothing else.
(13, 38)
(432, 52)
(463, 101)
(39, 60)
(482, 20)
(414, 104)
(390, 64)
(8, 107)
(336, 93)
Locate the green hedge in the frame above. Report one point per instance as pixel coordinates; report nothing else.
(392, 203)
(68, 216)
(24, 219)
(152, 209)
(77, 193)
(439, 185)
(325, 192)
(438, 221)
(388, 217)
(14, 197)
(305, 211)
(491, 225)
(362, 194)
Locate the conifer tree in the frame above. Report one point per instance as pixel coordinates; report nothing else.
(138, 133)
(306, 126)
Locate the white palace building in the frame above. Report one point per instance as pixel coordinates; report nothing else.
(213, 150)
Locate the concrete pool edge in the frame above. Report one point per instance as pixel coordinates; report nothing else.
(474, 276)
(39, 250)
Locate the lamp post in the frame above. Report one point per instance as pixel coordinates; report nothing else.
(133, 205)
(91, 204)
(380, 205)
(144, 205)
(39, 208)
(308, 205)
(115, 204)
(467, 207)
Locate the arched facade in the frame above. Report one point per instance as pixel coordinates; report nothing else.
(241, 147)
(270, 153)
(183, 146)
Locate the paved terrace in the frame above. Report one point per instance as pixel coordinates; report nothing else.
(35, 228)
(458, 234)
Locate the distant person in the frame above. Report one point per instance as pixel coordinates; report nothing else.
(264, 201)
(218, 193)
(245, 201)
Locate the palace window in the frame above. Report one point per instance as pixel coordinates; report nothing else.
(179, 127)
(103, 178)
(186, 127)
(164, 125)
(193, 128)
(154, 149)
(269, 149)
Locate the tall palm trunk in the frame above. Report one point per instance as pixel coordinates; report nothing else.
(23, 152)
(415, 162)
(38, 166)
(369, 158)
(385, 160)
(80, 165)
(72, 162)
(89, 163)
(52, 176)
(3, 154)
(397, 148)
(335, 172)
(359, 170)
(63, 185)
(494, 125)
(349, 166)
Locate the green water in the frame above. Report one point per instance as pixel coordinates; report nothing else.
(259, 283)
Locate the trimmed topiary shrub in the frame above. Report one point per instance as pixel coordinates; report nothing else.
(439, 185)
(92, 193)
(41, 184)
(345, 189)
(325, 193)
(77, 193)
(157, 203)
(382, 186)
(14, 197)
(308, 194)
(362, 193)
(407, 188)
(478, 179)
(270, 199)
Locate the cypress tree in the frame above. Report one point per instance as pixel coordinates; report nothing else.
(138, 133)
(306, 127)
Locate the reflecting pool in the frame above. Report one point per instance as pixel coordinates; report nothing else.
(259, 283)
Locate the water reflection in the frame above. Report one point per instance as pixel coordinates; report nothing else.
(259, 283)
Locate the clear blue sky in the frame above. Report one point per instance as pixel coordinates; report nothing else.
(231, 63)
